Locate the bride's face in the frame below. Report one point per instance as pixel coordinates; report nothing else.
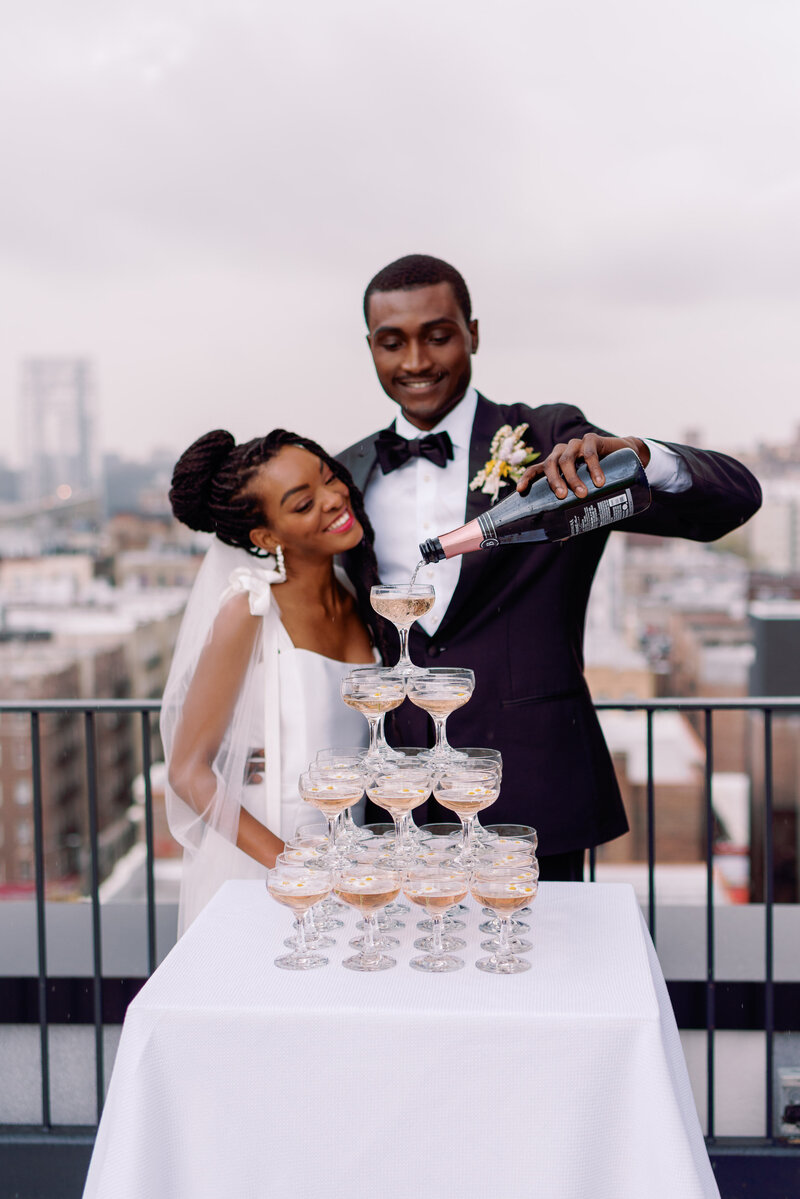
(306, 508)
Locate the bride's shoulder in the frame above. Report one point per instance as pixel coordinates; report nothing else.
(234, 618)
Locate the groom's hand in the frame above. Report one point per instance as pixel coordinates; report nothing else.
(561, 464)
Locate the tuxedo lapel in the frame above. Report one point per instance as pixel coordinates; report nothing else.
(489, 418)
(362, 459)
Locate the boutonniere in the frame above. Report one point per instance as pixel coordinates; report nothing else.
(508, 458)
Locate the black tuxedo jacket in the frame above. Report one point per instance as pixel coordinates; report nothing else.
(517, 619)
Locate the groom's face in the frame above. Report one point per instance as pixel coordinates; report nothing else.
(421, 345)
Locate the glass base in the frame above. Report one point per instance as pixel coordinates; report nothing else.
(399, 861)
(446, 757)
(442, 964)
(449, 832)
(332, 859)
(293, 961)
(449, 944)
(388, 753)
(450, 924)
(496, 965)
(363, 964)
(397, 909)
(515, 944)
(326, 924)
(492, 926)
(312, 943)
(464, 859)
(385, 923)
(381, 941)
(407, 669)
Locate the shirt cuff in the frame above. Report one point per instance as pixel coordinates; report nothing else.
(666, 470)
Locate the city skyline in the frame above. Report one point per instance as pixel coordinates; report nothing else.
(196, 201)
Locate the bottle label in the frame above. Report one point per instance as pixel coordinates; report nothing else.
(597, 513)
(486, 526)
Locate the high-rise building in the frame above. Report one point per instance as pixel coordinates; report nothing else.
(59, 432)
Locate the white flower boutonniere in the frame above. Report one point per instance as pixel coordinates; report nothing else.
(508, 458)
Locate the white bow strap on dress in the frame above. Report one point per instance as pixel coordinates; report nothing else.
(257, 581)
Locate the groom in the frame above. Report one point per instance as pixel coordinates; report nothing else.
(515, 615)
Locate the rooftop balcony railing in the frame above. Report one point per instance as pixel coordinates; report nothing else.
(48, 1156)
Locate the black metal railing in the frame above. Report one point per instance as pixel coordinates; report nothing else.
(767, 707)
(89, 710)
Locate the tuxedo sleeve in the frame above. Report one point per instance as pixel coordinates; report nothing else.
(723, 493)
(722, 496)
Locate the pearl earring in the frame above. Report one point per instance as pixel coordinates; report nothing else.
(279, 562)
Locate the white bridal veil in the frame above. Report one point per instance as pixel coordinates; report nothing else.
(208, 834)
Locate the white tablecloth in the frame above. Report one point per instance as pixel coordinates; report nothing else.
(236, 1079)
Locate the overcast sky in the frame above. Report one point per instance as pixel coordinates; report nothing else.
(195, 193)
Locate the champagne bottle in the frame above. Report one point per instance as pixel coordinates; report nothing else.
(542, 516)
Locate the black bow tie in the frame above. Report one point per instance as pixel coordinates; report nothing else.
(393, 450)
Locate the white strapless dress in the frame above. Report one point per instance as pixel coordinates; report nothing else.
(327, 725)
(311, 683)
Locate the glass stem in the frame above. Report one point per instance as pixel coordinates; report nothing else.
(332, 831)
(504, 949)
(466, 835)
(401, 832)
(311, 928)
(300, 930)
(437, 949)
(374, 743)
(442, 744)
(404, 659)
(369, 952)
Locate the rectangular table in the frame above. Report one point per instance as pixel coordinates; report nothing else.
(236, 1079)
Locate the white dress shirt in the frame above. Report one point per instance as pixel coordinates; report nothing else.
(419, 500)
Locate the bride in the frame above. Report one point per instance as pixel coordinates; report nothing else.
(271, 627)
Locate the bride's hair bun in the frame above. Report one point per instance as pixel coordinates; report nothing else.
(193, 477)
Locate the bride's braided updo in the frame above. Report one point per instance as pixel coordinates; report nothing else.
(209, 493)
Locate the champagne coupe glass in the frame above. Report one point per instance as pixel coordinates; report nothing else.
(315, 938)
(399, 786)
(402, 604)
(439, 691)
(382, 847)
(440, 858)
(509, 839)
(340, 757)
(425, 854)
(466, 788)
(444, 832)
(448, 838)
(501, 856)
(524, 832)
(479, 832)
(436, 888)
(368, 888)
(348, 834)
(503, 890)
(312, 843)
(422, 756)
(378, 853)
(373, 692)
(380, 828)
(331, 791)
(299, 888)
